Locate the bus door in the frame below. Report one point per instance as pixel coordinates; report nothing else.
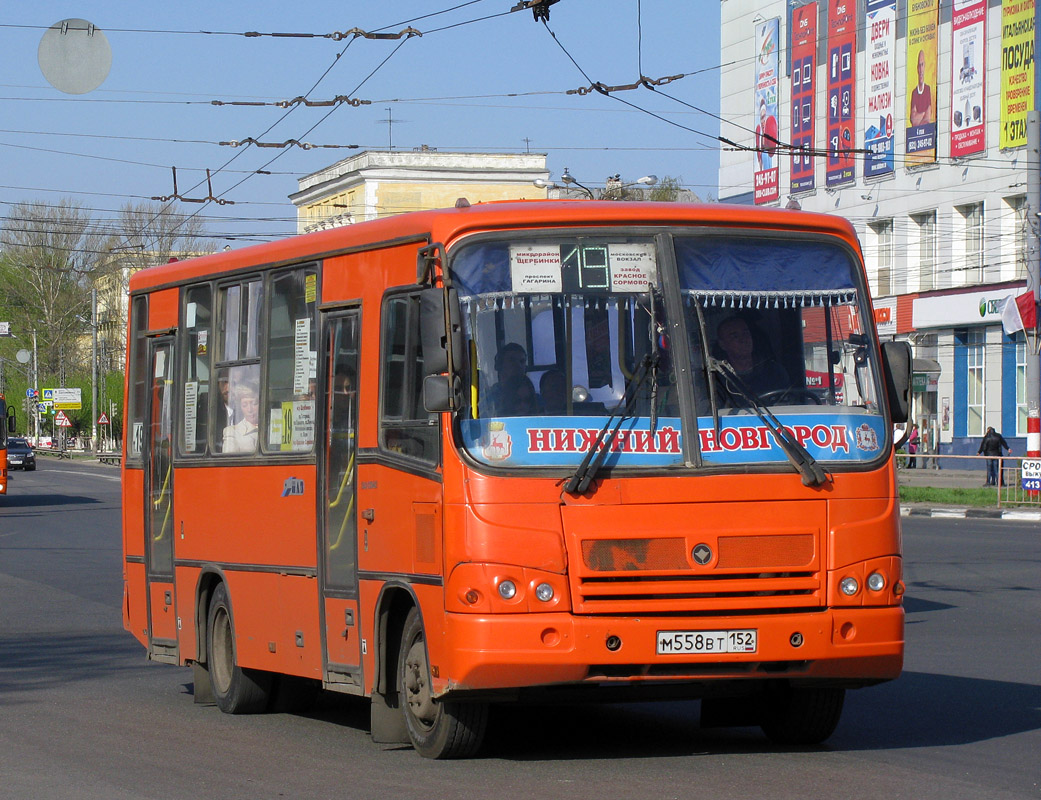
(159, 519)
(337, 505)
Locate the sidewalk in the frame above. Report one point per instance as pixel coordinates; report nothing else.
(956, 479)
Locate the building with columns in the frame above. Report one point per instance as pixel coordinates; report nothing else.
(377, 183)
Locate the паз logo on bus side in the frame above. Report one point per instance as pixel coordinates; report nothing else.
(292, 486)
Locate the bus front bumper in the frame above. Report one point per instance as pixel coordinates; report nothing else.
(856, 646)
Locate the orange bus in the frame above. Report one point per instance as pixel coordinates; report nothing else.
(519, 450)
(6, 426)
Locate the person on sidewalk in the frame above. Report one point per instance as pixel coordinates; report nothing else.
(912, 447)
(991, 446)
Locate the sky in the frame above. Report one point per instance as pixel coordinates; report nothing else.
(479, 78)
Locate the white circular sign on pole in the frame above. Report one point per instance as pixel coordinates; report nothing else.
(23, 356)
(74, 56)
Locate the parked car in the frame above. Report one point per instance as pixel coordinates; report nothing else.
(20, 454)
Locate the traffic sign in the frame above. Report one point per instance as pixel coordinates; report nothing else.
(103, 419)
(31, 393)
(1031, 474)
(61, 420)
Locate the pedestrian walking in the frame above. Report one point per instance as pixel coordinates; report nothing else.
(912, 447)
(991, 446)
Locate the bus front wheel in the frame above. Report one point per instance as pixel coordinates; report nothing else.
(236, 690)
(802, 716)
(438, 729)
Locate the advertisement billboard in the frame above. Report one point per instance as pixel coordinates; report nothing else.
(968, 71)
(842, 84)
(880, 58)
(922, 26)
(767, 36)
(804, 83)
(1017, 70)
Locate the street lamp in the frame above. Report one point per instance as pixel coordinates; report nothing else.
(569, 179)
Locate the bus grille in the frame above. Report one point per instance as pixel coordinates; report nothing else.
(767, 573)
(696, 558)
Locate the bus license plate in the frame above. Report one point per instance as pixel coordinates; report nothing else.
(686, 642)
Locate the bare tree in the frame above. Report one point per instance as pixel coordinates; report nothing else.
(152, 233)
(51, 256)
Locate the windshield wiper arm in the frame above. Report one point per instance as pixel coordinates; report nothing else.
(597, 453)
(800, 458)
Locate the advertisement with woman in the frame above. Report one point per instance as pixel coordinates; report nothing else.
(767, 187)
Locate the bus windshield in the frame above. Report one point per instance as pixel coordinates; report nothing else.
(732, 329)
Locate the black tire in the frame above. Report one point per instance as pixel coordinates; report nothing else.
(437, 728)
(236, 690)
(802, 716)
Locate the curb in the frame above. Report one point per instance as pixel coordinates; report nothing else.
(971, 513)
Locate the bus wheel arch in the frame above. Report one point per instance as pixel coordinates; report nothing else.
(437, 728)
(236, 689)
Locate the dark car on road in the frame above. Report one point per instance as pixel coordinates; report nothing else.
(20, 454)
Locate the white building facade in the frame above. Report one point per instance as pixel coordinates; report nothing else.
(909, 128)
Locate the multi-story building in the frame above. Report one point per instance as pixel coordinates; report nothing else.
(378, 183)
(908, 118)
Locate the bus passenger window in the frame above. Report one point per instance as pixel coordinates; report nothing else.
(292, 362)
(406, 427)
(198, 327)
(238, 367)
(139, 384)
(244, 397)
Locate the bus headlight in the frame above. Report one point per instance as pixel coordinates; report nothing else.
(876, 582)
(849, 586)
(507, 590)
(544, 592)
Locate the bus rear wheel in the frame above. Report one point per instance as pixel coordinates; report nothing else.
(235, 690)
(802, 716)
(437, 728)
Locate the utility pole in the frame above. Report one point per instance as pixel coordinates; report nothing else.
(36, 385)
(1033, 371)
(94, 370)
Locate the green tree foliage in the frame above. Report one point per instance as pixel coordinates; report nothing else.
(51, 257)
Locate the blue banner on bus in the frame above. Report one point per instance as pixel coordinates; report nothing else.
(743, 439)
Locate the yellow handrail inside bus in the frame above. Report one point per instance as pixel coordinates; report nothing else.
(348, 476)
(158, 502)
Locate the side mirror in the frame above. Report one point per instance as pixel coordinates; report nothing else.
(441, 333)
(896, 371)
(12, 421)
(441, 393)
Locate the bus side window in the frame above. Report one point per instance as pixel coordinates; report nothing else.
(198, 328)
(405, 425)
(291, 353)
(237, 364)
(139, 378)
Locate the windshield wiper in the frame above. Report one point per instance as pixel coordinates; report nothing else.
(800, 458)
(597, 453)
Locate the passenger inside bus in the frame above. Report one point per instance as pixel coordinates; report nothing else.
(242, 436)
(740, 342)
(511, 363)
(553, 392)
(225, 412)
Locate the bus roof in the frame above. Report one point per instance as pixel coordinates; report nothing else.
(446, 225)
